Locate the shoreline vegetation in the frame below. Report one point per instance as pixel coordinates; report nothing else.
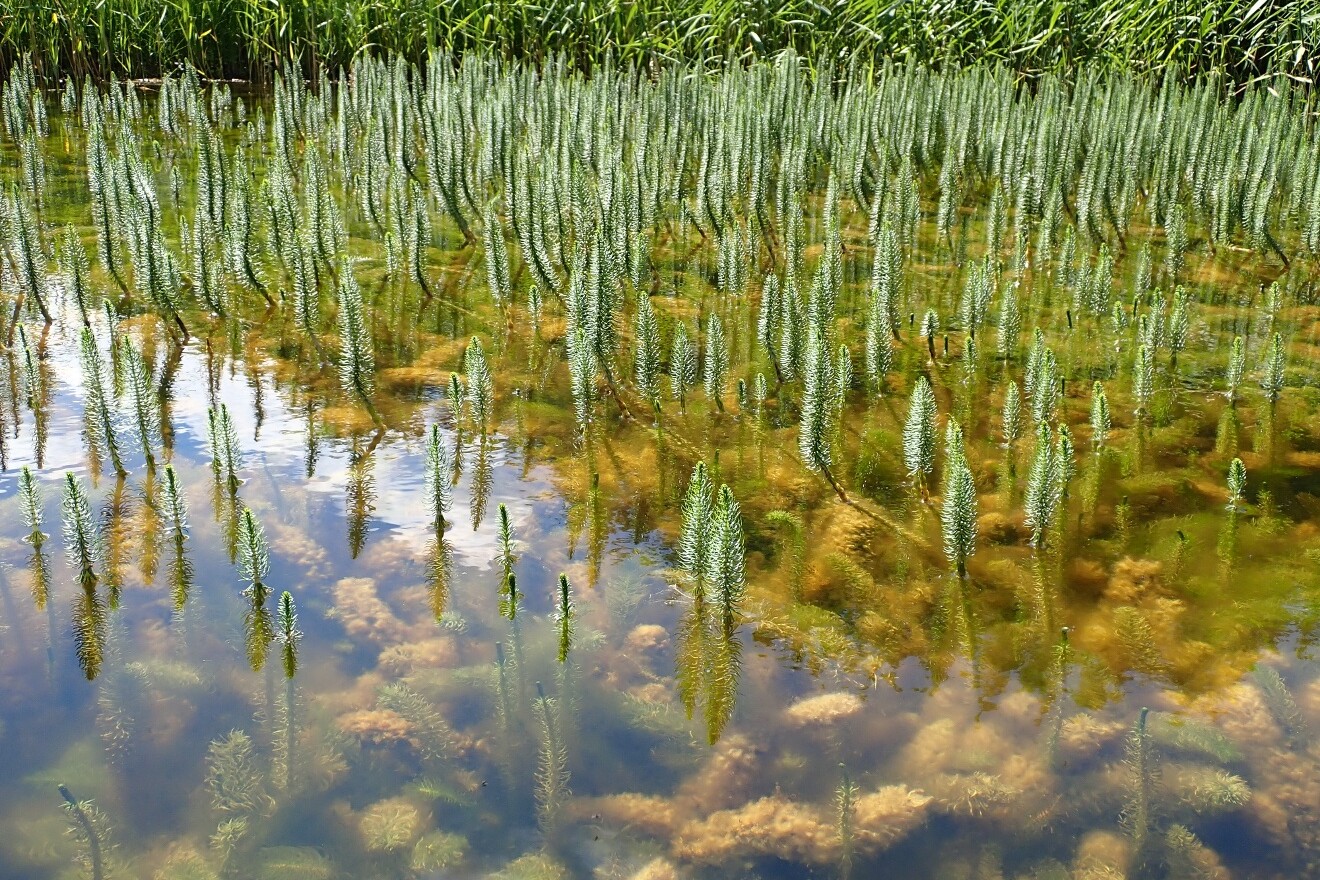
(1240, 40)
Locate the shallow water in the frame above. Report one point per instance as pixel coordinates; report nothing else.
(870, 714)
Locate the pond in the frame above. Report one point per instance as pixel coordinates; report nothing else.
(471, 471)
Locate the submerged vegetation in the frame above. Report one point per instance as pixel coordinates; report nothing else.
(796, 411)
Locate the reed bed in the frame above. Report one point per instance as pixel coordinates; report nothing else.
(250, 39)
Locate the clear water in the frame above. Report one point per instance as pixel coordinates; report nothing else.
(967, 739)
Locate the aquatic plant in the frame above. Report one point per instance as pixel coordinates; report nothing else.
(1271, 380)
(919, 433)
(506, 556)
(958, 515)
(1100, 418)
(480, 387)
(357, 360)
(433, 736)
(1043, 487)
(233, 778)
(1137, 815)
(565, 614)
(439, 489)
(82, 537)
(142, 397)
(254, 565)
(1237, 365)
(91, 830)
(646, 363)
(1281, 703)
(176, 511)
(552, 776)
(497, 256)
(845, 799)
(715, 372)
(728, 557)
(100, 423)
(696, 544)
(1011, 417)
(820, 412)
(226, 453)
(1237, 482)
(682, 365)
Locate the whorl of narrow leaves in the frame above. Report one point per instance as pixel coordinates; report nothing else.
(29, 502)
(646, 365)
(497, 256)
(696, 538)
(1042, 495)
(1237, 364)
(226, 454)
(767, 318)
(958, 515)
(76, 270)
(481, 389)
(1065, 457)
(506, 555)
(289, 634)
(146, 416)
(357, 360)
(253, 552)
(728, 557)
(581, 371)
(819, 410)
(682, 364)
(457, 395)
(564, 614)
(1271, 380)
(919, 431)
(1100, 419)
(1010, 324)
(1237, 482)
(1143, 378)
(716, 373)
(1179, 323)
(28, 255)
(176, 507)
(1011, 417)
(100, 415)
(439, 490)
(82, 538)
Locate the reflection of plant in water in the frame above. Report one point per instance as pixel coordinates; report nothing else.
(100, 417)
(254, 564)
(483, 480)
(176, 513)
(142, 398)
(357, 361)
(439, 468)
(285, 751)
(360, 495)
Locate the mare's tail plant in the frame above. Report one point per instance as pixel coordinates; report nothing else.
(439, 489)
(357, 359)
(100, 414)
(565, 614)
(254, 565)
(552, 775)
(919, 434)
